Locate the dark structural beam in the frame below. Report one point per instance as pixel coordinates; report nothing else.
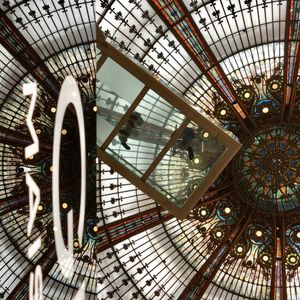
(291, 60)
(281, 256)
(179, 21)
(46, 261)
(199, 283)
(14, 42)
(116, 232)
(19, 200)
(210, 274)
(12, 203)
(216, 195)
(274, 263)
(18, 139)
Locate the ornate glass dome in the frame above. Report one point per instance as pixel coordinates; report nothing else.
(267, 169)
(235, 61)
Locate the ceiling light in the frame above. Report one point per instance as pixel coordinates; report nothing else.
(38, 131)
(64, 205)
(275, 86)
(227, 210)
(203, 212)
(218, 234)
(258, 233)
(51, 168)
(95, 228)
(239, 249)
(40, 207)
(265, 110)
(298, 234)
(265, 258)
(223, 112)
(53, 109)
(95, 108)
(247, 95)
(196, 160)
(205, 134)
(64, 131)
(293, 259)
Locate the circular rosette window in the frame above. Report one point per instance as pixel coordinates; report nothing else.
(266, 171)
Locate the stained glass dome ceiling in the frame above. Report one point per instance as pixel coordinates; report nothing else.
(267, 169)
(43, 41)
(237, 61)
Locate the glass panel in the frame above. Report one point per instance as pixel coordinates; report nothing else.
(119, 80)
(184, 166)
(116, 90)
(145, 133)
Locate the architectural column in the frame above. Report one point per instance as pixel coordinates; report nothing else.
(281, 258)
(278, 279)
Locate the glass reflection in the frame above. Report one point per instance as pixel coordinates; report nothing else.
(185, 165)
(145, 133)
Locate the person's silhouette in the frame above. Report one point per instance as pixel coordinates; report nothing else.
(187, 137)
(133, 121)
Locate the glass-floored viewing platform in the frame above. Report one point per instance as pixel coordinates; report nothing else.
(153, 137)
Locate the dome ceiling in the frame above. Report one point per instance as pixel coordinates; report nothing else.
(236, 61)
(43, 41)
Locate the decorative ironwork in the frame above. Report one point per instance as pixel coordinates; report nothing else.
(260, 59)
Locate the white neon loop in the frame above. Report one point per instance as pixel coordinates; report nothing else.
(31, 89)
(36, 284)
(69, 94)
(34, 201)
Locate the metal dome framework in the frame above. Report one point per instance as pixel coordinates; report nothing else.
(42, 42)
(212, 52)
(221, 55)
